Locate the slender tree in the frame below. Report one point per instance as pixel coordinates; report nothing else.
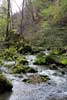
(22, 16)
(8, 20)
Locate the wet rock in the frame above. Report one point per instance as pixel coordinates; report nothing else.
(31, 60)
(30, 70)
(25, 49)
(61, 70)
(53, 66)
(5, 85)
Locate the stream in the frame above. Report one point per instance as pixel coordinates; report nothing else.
(54, 89)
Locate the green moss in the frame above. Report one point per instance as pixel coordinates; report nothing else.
(18, 69)
(40, 60)
(44, 78)
(57, 59)
(22, 60)
(20, 49)
(1, 62)
(63, 60)
(55, 51)
(23, 69)
(53, 58)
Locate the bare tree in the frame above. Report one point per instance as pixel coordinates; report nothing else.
(33, 11)
(8, 19)
(22, 16)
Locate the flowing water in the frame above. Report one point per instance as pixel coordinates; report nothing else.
(54, 89)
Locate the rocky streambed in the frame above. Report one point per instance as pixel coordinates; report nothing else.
(53, 89)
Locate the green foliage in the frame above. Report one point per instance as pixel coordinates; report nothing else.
(10, 54)
(40, 60)
(59, 60)
(18, 69)
(1, 61)
(53, 25)
(22, 60)
(55, 57)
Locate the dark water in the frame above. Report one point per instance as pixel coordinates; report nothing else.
(55, 89)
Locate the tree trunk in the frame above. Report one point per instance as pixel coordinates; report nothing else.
(8, 20)
(21, 24)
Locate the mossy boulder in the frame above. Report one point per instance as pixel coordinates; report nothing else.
(23, 69)
(52, 60)
(5, 85)
(58, 51)
(63, 60)
(22, 60)
(58, 60)
(36, 79)
(40, 60)
(18, 69)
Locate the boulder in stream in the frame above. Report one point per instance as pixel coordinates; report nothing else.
(5, 85)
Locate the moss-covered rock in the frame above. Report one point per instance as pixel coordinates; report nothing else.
(5, 85)
(18, 69)
(36, 79)
(22, 60)
(23, 69)
(63, 60)
(53, 60)
(40, 60)
(58, 51)
(58, 60)
(1, 62)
